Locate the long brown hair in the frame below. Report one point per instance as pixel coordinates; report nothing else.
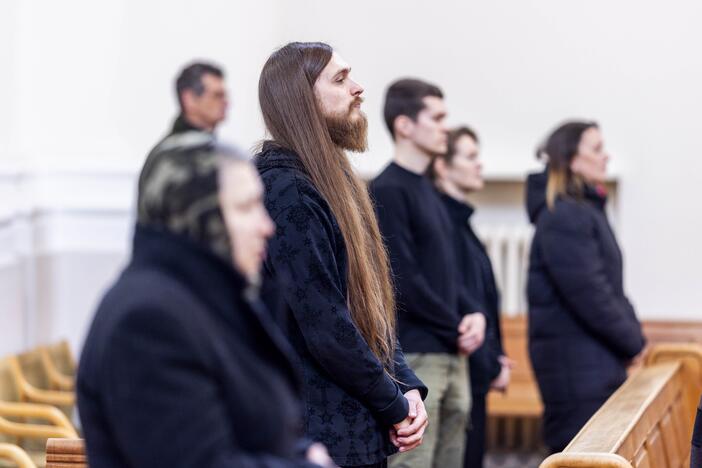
(559, 149)
(295, 121)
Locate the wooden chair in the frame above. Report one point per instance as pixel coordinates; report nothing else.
(65, 453)
(34, 382)
(28, 424)
(648, 421)
(59, 365)
(15, 455)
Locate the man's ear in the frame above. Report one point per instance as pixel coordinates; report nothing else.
(403, 126)
(188, 97)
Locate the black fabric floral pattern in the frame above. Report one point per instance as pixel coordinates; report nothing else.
(351, 402)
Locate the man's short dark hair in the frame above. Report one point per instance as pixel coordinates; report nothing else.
(405, 97)
(191, 78)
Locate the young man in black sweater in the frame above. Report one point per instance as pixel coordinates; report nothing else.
(456, 174)
(438, 325)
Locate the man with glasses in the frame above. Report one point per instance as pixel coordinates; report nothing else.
(202, 97)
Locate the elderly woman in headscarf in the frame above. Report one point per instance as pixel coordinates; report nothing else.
(182, 365)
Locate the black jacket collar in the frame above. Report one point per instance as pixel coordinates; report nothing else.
(597, 195)
(182, 125)
(536, 194)
(273, 156)
(459, 211)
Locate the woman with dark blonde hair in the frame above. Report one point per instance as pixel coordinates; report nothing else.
(583, 330)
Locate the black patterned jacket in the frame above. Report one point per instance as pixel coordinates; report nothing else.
(350, 401)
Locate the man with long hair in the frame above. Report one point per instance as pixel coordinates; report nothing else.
(438, 324)
(328, 260)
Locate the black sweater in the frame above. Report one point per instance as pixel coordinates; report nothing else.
(419, 236)
(479, 282)
(350, 401)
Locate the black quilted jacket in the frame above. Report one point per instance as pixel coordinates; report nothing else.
(582, 328)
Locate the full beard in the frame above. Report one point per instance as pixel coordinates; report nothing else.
(347, 133)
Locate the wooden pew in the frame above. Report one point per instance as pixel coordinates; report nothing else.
(515, 416)
(65, 453)
(648, 421)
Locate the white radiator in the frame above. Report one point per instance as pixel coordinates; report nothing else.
(508, 248)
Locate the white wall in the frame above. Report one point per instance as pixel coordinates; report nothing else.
(513, 70)
(87, 89)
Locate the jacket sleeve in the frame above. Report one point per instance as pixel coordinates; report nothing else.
(486, 357)
(408, 380)
(467, 304)
(418, 300)
(303, 253)
(164, 404)
(574, 262)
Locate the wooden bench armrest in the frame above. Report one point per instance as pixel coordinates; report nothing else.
(64, 453)
(60, 425)
(585, 460)
(36, 395)
(56, 377)
(17, 455)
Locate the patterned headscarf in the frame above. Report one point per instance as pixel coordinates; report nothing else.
(178, 189)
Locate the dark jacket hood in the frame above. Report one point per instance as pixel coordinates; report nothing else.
(205, 272)
(273, 156)
(536, 194)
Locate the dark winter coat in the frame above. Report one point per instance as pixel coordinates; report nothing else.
(582, 329)
(181, 369)
(478, 280)
(351, 402)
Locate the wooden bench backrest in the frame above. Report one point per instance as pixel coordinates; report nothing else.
(522, 397)
(65, 453)
(648, 421)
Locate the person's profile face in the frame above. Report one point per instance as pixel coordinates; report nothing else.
(591, 160)
(465, 168)
(428, 131)
(211, 106)
(245, 217)
(337, 94)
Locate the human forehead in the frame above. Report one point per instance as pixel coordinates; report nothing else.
(240, 181)
(591, 137)
(211, 81)
(335, 66)
(434, 105)
(466, 145)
